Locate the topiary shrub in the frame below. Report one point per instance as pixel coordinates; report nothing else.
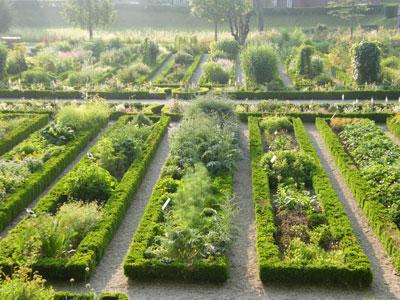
(260, 64)
(149, 51)
(304, 61)
(366, 61)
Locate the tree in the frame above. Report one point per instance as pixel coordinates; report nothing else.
(89, 14)
(349, 10)
(259, 11)
(5, 16)
(239, 13)
(366, 62)
(212, 10)
(305, 61)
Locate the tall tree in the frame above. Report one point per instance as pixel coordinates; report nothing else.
(239, 13)
(212, 10)
(89, 14)
(349, 10)
(259, 11)
(5, 15)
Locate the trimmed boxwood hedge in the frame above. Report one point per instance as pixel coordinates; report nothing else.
(300, 95)
(92, 247)
(12, 138)
(89, 296)
(356, 272)
(311, 117)
(182, 94)
(138, 267)
(41, 179)
(47, 94)
(376, 212)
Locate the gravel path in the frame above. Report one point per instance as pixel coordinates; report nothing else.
(194, 81)
(386, 284)
(63, 173)
(390, 134)
(284, 76)
(161, 68)
(240, 80)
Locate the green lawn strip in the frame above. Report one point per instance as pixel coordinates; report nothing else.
(32, 123)
(138, 267)
(376, 212)
(14, 203)
(356, 269)
(93, 245)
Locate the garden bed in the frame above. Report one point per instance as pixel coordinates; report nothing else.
(14, 128)
(33, 164)
(373, 189)
(322, 247)
(115, 178)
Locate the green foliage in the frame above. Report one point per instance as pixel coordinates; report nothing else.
(260, 64)
(366, 62)
(183, 58)
(5, 16)
(3, 59)
(214, 73)
(150, 51)
(131, 74)
(274, 124)
(90, 183)
(90, 14)
(305, 66)
(229, 48)
(16, 62)
(23, 285)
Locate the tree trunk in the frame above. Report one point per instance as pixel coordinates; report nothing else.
(90, 33)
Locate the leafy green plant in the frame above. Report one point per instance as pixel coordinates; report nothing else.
(58, 134)
(366, 63)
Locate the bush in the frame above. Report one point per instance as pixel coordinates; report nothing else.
(230, 48)
(260, 64)
(366, 61)
(304, 61)
(183, 58)
(132, 73)
(150, 52)
(215, 74)
(16, 62)
(36, 77)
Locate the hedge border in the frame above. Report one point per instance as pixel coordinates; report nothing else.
(93, 246)
(356, 272)
(89, 296)
(18, 134)
(137, 267)
(40, 180)
(192, 69)
(376, 212)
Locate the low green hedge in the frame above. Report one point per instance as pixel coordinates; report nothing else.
(299, 95)
(46, 94)
(17, 135)
(376, 212)
(138, 267)
(393, 126)
(311, 117)
(41, 179)
(183, 94)
(92, 247)
(89, 296)
(355, 271)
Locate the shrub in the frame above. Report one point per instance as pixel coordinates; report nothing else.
(214, 73)
(36, 77)
(323, 80)
(273, 124)
(366, 61)
(90, 183)
(16, 62)
(229, 47)
(117, 57)
(150, 52)
(183, 58)
(132, 73)
(3, 59)
(260, 64)
(305, 67)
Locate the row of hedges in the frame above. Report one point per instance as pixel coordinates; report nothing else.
(355, 272)
(192, 69)
(138, 267)
(47, 94)
(331, 95)
(311, 116)
(40, 180)
(16, 135)
(184, 94)
(89, 296)
(376, 212)
(160, 61)
(92, 247)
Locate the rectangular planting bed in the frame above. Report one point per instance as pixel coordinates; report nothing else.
(31, 166)
(369, 162)
(72, 225)
(303, 233)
